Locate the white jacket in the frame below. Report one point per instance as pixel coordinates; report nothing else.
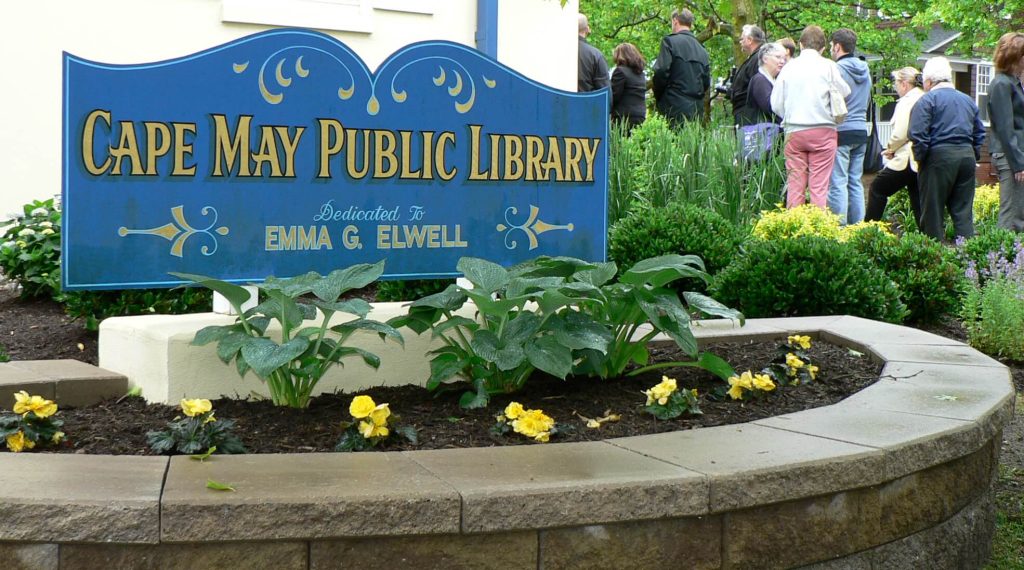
(898, 141)
(800, 95)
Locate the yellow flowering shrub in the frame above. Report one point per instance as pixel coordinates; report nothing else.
(986, 204)
(32, 423)
(848, 232)
(805, 220)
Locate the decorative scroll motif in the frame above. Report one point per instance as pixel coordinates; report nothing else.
(180, 230)
(532, 227)
(460, 79)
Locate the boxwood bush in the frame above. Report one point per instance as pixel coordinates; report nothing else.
(805, 276)
(680, 228)
(410, 289)
(929, 275)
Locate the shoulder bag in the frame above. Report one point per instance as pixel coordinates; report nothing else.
(873, 153)
(836, 102)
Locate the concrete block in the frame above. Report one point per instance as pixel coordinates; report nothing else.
(21, 556)
(541, 486)
(88, 498)
(221, 556)
(451, 551)
(694, 543)
(312, 495)
(749, 464)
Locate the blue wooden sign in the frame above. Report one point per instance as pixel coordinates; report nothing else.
(281, 153)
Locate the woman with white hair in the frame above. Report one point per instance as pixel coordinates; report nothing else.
(771, 58)
(900, 169)
(947, 133)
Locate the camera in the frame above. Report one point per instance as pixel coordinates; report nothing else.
(724, 85)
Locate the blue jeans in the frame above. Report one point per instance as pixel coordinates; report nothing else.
(845, 190)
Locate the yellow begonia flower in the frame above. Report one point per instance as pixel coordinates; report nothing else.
(514, 410)
(735, 392)
(794, 363)
(209, 419)
(763, 382)
(57, 437)
(369, 430)
(661, 392)
(380, 414)
(361, 406)
(813, 371)
(47, 232)
(535, 424)
(802, 341)
(17, 442)
(193, 408)
(23, 404)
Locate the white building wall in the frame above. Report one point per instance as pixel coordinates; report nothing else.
(536, 37)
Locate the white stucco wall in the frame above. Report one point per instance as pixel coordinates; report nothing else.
(536, 37)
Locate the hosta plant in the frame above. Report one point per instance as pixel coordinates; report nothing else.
(519, 327)
(373, 424)
(293, 365)
(32, 423)
(30, 250)
(199, 432)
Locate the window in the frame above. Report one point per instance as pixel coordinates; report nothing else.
(983, 77)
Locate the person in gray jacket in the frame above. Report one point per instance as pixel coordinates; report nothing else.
(592, 73)
(1006, 115)
(845, 190)
(682, 72)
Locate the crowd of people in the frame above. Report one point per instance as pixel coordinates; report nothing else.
(822, 108)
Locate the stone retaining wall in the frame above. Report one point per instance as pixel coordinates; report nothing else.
(896, 476)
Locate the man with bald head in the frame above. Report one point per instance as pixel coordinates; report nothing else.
(592, 73)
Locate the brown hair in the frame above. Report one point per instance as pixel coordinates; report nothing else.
(626, 54)
(1009, 51)
(684, 17)
(813, 37)
(790, 45)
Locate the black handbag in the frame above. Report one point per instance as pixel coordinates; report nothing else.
(873, 153)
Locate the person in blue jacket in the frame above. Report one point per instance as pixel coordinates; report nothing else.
(845, 190)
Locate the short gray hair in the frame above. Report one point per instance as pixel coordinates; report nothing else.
(937, 70)
(774, 48)
(753, 32)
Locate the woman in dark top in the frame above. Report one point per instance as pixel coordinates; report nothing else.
(629, 86)
(1006, 115)
(770, 58)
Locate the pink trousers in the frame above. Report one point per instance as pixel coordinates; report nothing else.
(809, 157)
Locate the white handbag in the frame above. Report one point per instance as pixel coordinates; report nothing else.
(836, 101)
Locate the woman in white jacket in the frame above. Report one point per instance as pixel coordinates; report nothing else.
(900, 168)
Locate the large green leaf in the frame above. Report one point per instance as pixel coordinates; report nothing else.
(212, 333)
(341, 280)
(357, 307)
(229, 345)
(451, 299)
(578, 331)
(521, 328)
(236, 295)
(531, 286)
(709, 306)
(549, 355)
(658, 271)
(292, 286)
(455, 321)
(281, 307)
(485, 275)
(265, 356)
(599, 275)
(486, 345)
(475, 399)
(382, 329)
(493, 307)
(444, 367)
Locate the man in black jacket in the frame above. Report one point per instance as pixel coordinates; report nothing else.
(682, 72)
(751, 40)
(592, 73)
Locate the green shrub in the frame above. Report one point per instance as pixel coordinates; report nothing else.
(928, 274)
(30, 250)
(681, 229)
(4, 357)
(94, 306)
(410, 289)
(994, 317)
(804, 276)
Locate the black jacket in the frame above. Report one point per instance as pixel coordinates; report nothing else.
(740, 84)
(592, 73)
(682, 75)
(1006, 115)
(758, 108)
(628, 91)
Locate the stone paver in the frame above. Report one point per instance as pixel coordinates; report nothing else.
(846, 330)
(935, 354)
(78, 383)
(912, 442)
(315, 495)
(99, 499)
(749, 464)
(534, 486)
